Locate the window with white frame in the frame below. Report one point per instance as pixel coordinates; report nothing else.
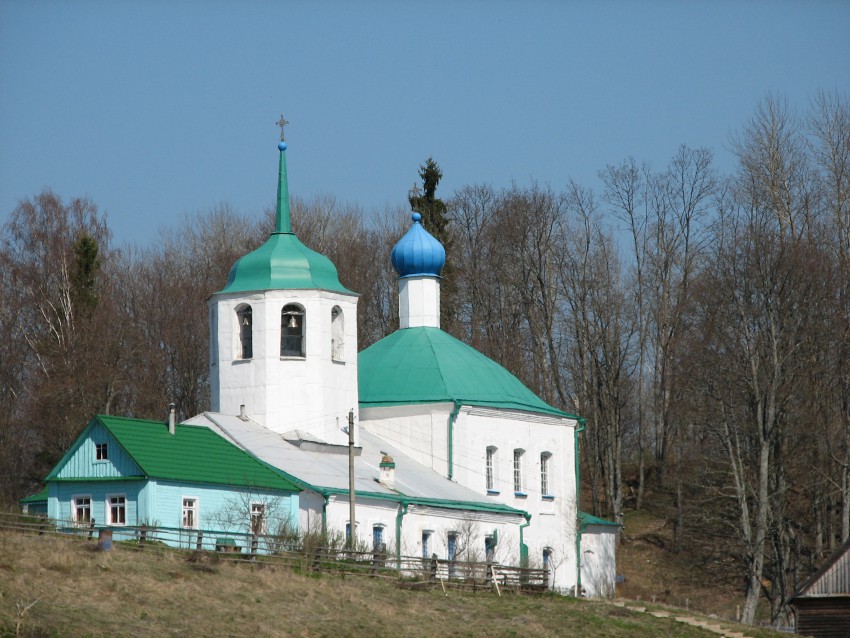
(518, 470)
(490, 468)
(81, 509)
(116, 506)
(545, 470)
(190, 512)
(337, 334)
(292, 331)
(426, 543)
(245, 321)
(258, 518)
(101, 451)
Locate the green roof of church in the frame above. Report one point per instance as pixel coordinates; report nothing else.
(193, 453)
(283, 262)
(427, 365)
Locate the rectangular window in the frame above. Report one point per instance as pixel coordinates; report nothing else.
(117, 510)
(378, 538)
(426, 544)
(489, 469)
(545, 458)
(518, 471)
(258, 518)
(490, 548)
(81, 509)
(190, 513)
(101, 451)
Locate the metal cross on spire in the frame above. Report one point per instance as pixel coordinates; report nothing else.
(282, 122)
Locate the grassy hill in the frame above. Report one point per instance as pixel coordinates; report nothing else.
(65, 587)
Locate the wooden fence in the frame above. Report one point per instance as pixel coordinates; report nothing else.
(306, 555)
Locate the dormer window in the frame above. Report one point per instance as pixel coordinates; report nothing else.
(101, 451)
(246, 339)
(337, 334)
(292, 331)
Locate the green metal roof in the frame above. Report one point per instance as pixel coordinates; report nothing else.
(427, 365)
(193, 453)
(283, 263)
(585, 519)
(38, 497)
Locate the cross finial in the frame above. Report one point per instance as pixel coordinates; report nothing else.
(282, 123)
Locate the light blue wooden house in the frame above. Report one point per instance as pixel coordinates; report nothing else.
(123, 472)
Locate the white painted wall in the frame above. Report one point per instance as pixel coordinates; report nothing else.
(313, 393)
(419, 302)
(599, 561)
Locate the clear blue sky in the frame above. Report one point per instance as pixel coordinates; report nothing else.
(157, 108)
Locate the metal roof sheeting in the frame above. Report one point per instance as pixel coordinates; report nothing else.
(426, 365)
(193, 454)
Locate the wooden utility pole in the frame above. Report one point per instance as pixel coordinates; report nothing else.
(352, 525)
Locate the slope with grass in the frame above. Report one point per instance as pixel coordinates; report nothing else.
(66, 587)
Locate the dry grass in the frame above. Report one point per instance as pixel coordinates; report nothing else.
(79, 591)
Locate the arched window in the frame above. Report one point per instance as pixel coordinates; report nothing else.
(547, 558)
(337, 334)
(545, 471)
(292, 331)
(490, 468)
(246, 342)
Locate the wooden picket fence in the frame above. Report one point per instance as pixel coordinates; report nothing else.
(302, 554)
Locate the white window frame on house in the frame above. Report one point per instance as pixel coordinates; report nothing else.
(189, 507)
(259, 518)
(337, 335)
(244, 332)
(101, 451)
(518, 478)
(293, 331)
(76, 507)
(546, 475)
(120, 507)
(490, 469)
(427, 535)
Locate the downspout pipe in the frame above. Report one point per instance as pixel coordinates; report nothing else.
(452, 419)
(523, 548)
(581, 426)
(402, 510)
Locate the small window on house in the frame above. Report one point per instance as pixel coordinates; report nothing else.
(292, 331)
(490, 548)
(337, 334)
(101, 452)
(117, 506)
(190, 513)
(452, 551)
(81, 509)
(490, 468)
(426, 543)
(545, 468)
(246, 339)
(518, 471)
(547, 558)
(378, 538)
(258, 518)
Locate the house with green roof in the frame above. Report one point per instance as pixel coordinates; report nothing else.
(123, 472)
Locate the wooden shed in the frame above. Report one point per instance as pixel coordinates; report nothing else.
(822, 604)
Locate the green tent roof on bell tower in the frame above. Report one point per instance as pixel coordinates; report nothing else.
(283, 262)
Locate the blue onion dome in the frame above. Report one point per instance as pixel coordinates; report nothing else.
(418, 253)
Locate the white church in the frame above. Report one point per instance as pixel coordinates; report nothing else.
(455, 457)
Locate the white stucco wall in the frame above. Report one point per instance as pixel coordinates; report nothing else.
(599, 561)
(313, 393)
